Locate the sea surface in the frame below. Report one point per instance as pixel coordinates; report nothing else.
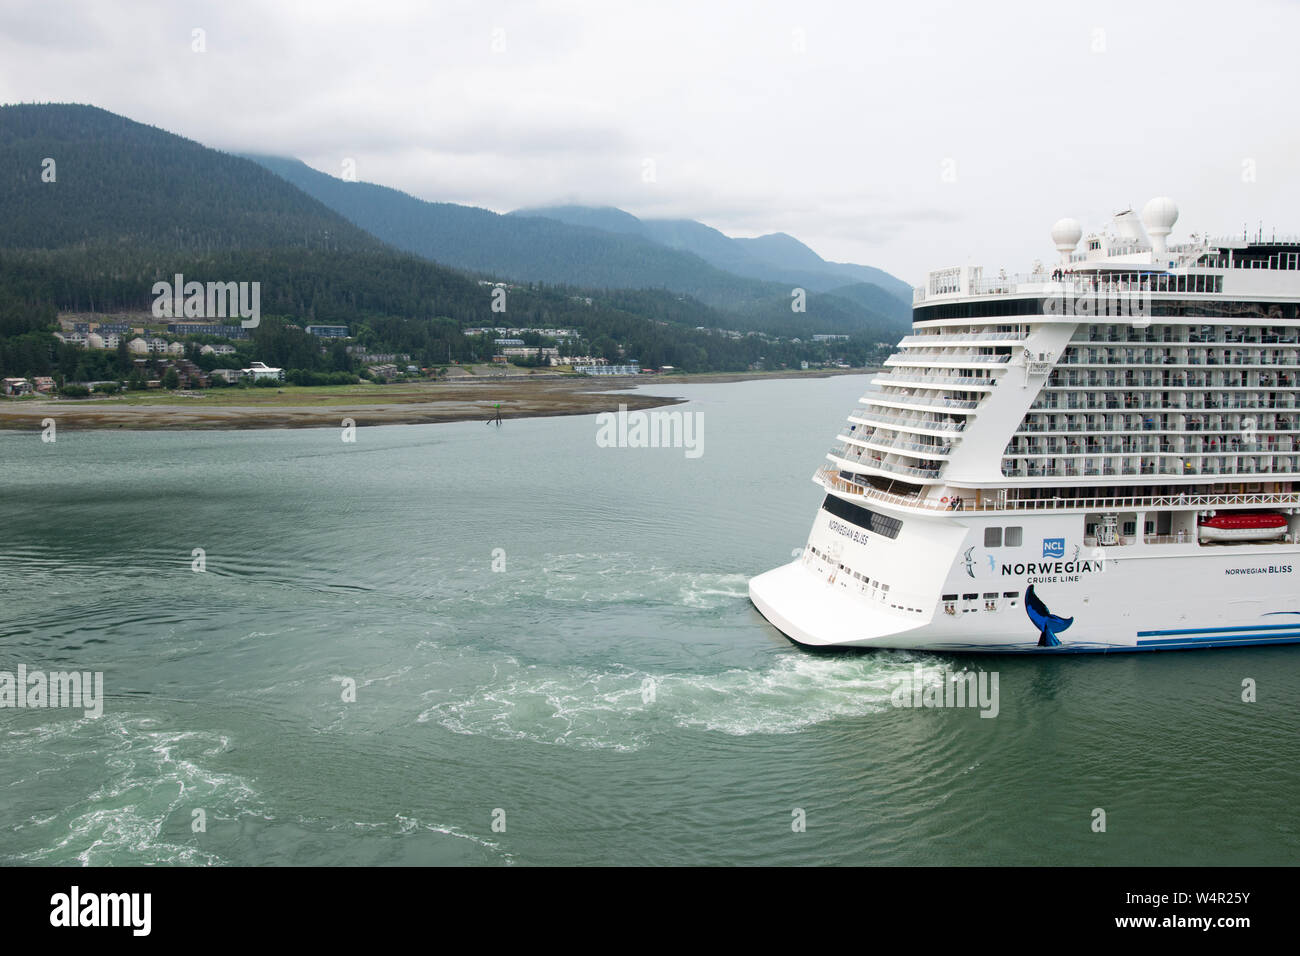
(555, 662)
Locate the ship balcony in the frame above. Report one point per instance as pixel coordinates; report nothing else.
(903, 378)
(919, 449)
(1050, 449)
(1198, 361)
(946, 358)
(918, 424)
(1193, 425)
(951, 338)
(998, 500)
(1181, 335)
(1148, 381)
(1050, 401)
(905, 400)
(911, 472)
(1177, 466)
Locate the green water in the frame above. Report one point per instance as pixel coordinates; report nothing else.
(525, 689)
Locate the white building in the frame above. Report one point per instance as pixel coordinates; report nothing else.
(259, 370)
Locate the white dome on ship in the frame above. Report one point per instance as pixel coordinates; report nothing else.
(1160, 214)
(1067, 232)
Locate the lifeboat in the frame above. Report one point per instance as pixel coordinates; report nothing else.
(1238, 526)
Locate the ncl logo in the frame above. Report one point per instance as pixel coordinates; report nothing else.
(1053, 547)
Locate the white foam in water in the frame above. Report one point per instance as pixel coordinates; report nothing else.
(154, 777)
(609, 709)
(604, 579)
(409, 824)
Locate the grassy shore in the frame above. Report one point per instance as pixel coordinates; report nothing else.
(293, 406)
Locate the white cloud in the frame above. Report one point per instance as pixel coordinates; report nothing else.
(834, 124)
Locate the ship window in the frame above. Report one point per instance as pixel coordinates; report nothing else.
(992, 537)
(950, 597)
(1011, 594)
(991, 596)
(1130, 527)
(862, 517)
(970, 597)
(1014, 537)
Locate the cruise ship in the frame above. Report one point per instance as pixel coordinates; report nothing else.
(1099, 456)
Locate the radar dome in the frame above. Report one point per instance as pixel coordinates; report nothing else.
(1065, 235)
(1159, 216)
(1067, 232)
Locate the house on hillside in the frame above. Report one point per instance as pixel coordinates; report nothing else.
(260, 370)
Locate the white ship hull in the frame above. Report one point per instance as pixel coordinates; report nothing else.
(1172, 597)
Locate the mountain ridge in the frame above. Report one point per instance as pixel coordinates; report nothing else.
(600, 247)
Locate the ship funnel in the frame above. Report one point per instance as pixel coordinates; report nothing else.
(1159, 216)
(1129, 228)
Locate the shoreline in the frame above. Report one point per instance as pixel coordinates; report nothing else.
(426, 403)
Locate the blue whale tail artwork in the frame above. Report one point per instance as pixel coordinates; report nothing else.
(1048, 624)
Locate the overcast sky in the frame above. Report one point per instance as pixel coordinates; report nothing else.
(905, 135)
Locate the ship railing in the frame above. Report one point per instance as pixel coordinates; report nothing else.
(1192, 428)
(948, 358)
(830, 478)
(913, 399)
(1152, 501)
(901, 378)
(1176, 538)
(918, 449)
(897, 469)
(943, 338)
(934, 425)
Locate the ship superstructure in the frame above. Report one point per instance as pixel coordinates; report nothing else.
(1096, 456)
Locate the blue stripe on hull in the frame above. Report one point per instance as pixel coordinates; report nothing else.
(1197, 645)
(1217, 639)
(1219, 630)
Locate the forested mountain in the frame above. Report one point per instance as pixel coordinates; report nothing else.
(866, 294)
(783, 251)
(519, 248)
(117, 182)
(128, 205)
(603, 248)
(774, 258)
